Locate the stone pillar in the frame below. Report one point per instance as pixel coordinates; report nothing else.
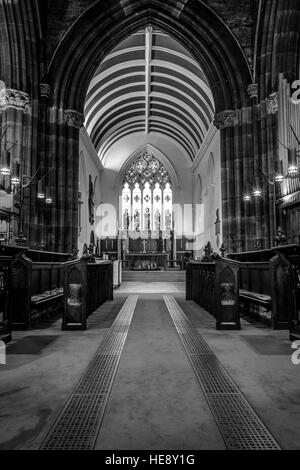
(248, 150)
(64, 127)
(43, 227)
(16, 117)
(74, 121)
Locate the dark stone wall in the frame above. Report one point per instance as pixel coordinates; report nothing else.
(59, 17)
(238, 15)
(48, 136)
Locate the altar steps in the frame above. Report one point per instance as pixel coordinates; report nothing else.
(153, 276)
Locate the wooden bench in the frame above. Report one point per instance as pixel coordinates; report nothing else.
(255, 290)
(35, 291)
(266, 284)
(86, 287)
(200, 284)
(214, 286)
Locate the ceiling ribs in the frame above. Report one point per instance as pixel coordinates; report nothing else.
(165, 93)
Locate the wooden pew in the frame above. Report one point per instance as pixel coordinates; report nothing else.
(268, 287)
(214, 286)
(255, 290)
(266, 284)
(86, 287)
(200, 284)
(35, 291)
(5, 330)
(12, 251)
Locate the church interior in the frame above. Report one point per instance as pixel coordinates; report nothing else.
(149, 225)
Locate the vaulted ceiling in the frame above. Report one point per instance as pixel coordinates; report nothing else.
(149, 84)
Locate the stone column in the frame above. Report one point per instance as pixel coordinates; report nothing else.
(248, 149)
(15, 127)
(74, 121)
(44, 226)
(63, 128)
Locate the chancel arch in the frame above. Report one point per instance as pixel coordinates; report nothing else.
(194, 28)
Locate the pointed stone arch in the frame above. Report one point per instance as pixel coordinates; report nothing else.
(195, 25)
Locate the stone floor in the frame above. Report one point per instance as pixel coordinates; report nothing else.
(156, 401)
(152, 288)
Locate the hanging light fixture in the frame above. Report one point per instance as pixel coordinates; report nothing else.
(41, 192)
(247, 197)
(5, 168)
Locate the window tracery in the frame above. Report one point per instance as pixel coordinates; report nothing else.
(147, 196)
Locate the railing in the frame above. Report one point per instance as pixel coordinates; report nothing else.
(179, 264)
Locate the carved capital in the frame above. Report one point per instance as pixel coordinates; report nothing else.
(253, 90)
(272, 103)
(45, 90)
(15, 99)
(225, 119)
(74, 118)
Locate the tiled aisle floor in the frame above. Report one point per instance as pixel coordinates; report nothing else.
(156, 402)
(44, 365)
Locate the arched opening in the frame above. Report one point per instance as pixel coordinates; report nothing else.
(149, 89)
(84, 81)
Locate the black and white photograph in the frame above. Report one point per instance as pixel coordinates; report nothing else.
(149, 228)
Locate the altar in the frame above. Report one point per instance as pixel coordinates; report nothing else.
(146, 261)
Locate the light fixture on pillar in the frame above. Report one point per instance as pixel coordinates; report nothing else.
(49, 198)
(292, 162)
(5, 167)
(247, 197)
(257, 193)
(19, 182)
(41, 192)
(15, 179)
(260, 179)
(279, 174)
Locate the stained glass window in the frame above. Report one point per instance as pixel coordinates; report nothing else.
(126, 202)
(147, 196)
(168, 205)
